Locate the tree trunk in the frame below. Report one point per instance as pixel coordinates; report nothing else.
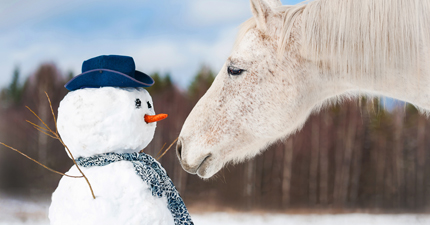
(324, 158)
(421, 156)
(380, 170)
(313, 170)
(357, 157)
(249, 183)
(399, 157)
(287, 171)
(181, 177)
(340, 151)
(410, 175)
(349, 146)
(389, 184)
(42, 112)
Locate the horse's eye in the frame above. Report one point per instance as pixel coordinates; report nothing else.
(234, 71)
(138, 103)
(149, 105)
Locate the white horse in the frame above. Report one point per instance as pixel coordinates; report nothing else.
(291, 60)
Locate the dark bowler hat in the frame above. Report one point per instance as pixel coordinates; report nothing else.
(109, 71)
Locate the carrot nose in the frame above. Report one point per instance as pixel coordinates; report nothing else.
(155, 118)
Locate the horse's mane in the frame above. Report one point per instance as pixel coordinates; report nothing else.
(358, 36)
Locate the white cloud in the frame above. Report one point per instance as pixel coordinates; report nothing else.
(215, 53)
(182, 57)
(202, 13)
(15, 13)
(211, 12)
(157, 55)
(165, 51)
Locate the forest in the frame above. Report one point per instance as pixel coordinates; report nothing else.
(357, 155)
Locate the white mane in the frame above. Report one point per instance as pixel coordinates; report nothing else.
(358, 37)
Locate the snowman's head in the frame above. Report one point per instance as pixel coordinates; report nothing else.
(100, 120)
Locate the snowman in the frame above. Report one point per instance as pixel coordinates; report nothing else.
(105, 120)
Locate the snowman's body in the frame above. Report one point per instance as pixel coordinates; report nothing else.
(95, 121)
(121, 198)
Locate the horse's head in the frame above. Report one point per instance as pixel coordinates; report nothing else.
(254, 100)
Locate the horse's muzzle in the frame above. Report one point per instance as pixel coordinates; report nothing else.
(187, 166)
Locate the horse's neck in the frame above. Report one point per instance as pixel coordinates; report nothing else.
(411, 86)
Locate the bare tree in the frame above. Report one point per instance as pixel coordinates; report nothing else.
(357, 148)
(380, 170)
(398, 148)
(313, 170)
(421, 159)
(347, 157)
(46, 79)
(287, 170)
(326, 131)
(340, 151)
(341, 156)
(250, 183)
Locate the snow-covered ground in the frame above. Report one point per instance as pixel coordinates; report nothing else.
(282, 219)
(16, 211)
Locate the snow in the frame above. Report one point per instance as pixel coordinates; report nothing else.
(99, 120)
(24, 212)
(19, 211)
(285, 219)
(94, 121)
(121, 198)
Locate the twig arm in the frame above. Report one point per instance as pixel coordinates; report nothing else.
(28, 157)
(71, 156)
(57, 136)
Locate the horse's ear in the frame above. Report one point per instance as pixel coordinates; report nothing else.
(274, 3)
(262, 10)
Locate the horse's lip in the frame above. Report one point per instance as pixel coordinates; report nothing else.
(201, 164)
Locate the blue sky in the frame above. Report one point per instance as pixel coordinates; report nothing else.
(163, 35)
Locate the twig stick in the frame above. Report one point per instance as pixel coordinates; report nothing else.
(47, 130)
(92, 192)
(168, 148)
(161, 150)
(28, 157)
(37, 117)
(67, 148)
(45, 133)
(52, 111)
(37, 126)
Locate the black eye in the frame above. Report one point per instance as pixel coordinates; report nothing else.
(149, 105)
(138, 103)
(234, 71)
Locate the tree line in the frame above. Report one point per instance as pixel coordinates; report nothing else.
(355, 155)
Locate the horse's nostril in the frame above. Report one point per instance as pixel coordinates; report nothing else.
(179, 150)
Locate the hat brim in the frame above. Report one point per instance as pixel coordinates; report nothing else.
(108, 78)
